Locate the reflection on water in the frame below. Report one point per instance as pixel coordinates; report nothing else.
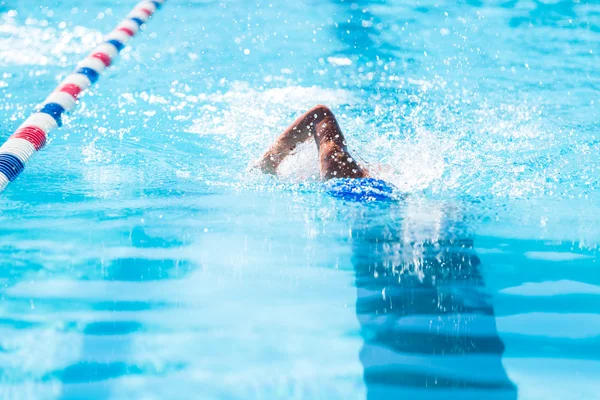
(426, 320)
(551, 14)
(106, 347)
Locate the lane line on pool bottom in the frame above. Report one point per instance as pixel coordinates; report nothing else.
(32, 135)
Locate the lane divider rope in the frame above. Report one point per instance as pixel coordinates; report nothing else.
(31, 136)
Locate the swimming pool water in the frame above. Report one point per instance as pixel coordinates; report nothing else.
(143, 259)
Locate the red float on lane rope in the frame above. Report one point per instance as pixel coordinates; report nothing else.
(72, 89)
(126, 30)
(146, 11)
(103, 57)
(33, 135)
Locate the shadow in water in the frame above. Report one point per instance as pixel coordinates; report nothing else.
(428, 326)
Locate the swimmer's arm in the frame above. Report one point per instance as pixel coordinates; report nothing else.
(302, 130)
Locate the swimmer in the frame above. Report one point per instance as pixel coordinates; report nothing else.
(404, 287)
(345, 177)
(334, 159)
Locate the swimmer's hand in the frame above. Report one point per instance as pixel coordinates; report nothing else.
(267, 164)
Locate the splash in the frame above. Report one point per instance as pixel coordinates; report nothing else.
(34, 43)
(423, 146)
(245, 112)
(251, 119)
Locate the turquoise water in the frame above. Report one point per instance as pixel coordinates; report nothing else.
(143, 259)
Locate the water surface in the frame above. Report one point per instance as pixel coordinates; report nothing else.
(142, 259)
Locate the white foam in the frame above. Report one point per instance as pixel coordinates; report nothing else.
(554, 325)
(302, 165)
(552, 288)
(339, 61)
(417, 147)
(257, 117)
(248, 112)
(555, 256)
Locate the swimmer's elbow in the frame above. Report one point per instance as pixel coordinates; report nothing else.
(322, 111)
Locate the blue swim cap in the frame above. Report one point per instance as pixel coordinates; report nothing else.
(362, 189)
